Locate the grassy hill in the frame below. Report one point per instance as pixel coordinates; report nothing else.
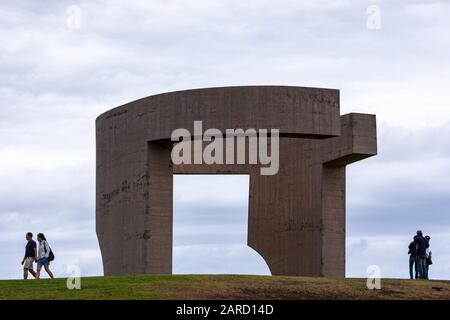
(221, 287)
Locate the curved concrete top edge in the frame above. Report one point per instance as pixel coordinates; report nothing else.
(291, 109)
(115, 109)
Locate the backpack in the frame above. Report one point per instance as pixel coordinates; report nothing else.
(51, 256)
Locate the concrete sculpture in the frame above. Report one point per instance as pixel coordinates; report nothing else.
(296, 217)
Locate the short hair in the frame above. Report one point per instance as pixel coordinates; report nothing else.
(419, 232)
(29, 234)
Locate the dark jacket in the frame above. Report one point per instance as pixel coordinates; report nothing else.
(421, 247)
(412, 249)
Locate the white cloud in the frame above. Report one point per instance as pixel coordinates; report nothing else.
(218, 259)
(223, 190)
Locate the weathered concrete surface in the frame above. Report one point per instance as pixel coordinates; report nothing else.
(296, 218)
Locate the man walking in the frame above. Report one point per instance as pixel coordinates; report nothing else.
(421, 254)
(30, 256)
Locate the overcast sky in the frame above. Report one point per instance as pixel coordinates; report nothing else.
(62, 63)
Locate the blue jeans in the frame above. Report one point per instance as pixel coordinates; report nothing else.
(421, 265)
(413, 262)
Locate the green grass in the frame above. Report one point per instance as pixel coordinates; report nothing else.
(156, 287)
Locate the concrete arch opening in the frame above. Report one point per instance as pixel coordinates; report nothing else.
(210, 237)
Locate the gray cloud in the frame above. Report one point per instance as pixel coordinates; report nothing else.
(54, 81)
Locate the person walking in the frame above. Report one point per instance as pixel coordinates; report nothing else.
(43, 255)
(428, 254)
(412, 259)
(30, 256)
(420, 254)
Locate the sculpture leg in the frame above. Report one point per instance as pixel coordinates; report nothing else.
(159, 212)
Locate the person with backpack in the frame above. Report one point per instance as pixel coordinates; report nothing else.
(412, 259)
(45, 255)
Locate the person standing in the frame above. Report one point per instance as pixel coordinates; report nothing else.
(428, 254)
(30, 256)
(421, 254)
(412, 259)
(43, 254)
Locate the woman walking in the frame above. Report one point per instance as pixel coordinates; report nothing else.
(43, 254)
